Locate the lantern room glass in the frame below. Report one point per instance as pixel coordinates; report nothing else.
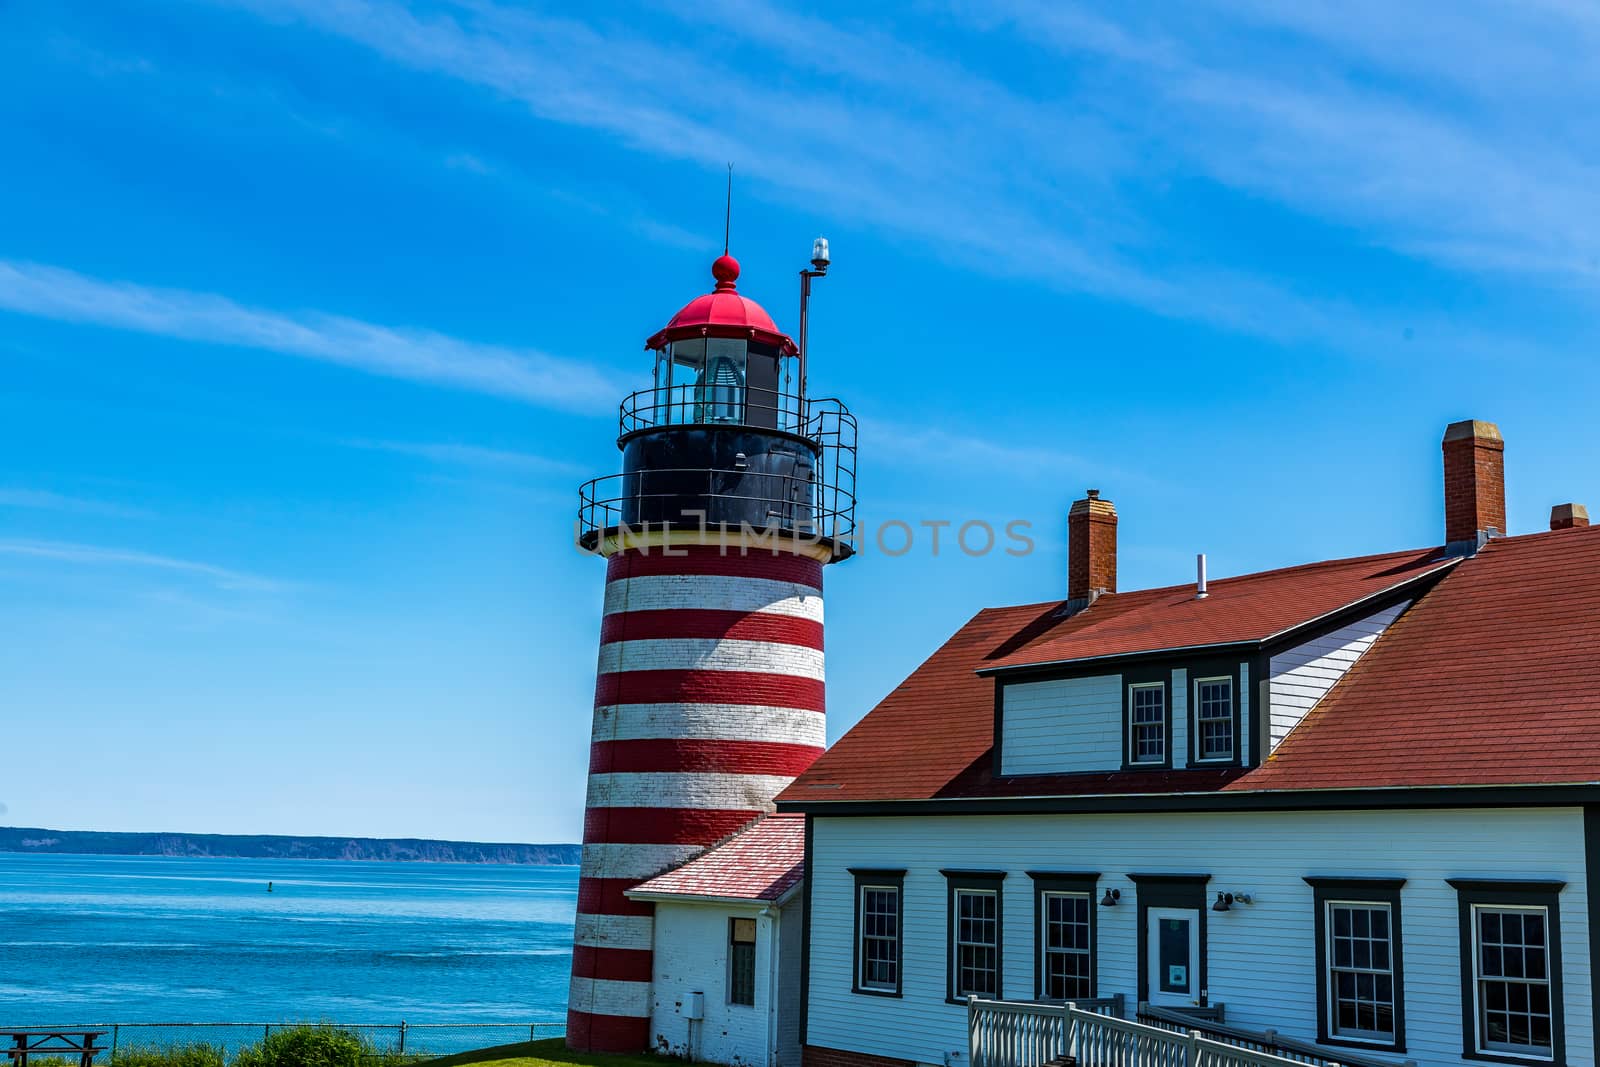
(720, 380)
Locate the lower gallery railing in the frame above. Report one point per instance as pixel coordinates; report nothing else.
(1021, 1034)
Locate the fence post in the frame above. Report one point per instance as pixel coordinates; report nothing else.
(114, 1028)
(402, 1037)
(533, 1031)
(1193, 1054)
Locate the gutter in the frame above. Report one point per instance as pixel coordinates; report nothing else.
(662, 897)
(1567, 794)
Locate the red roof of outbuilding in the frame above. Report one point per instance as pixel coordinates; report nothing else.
(1488, 679)
(723, 312)
(762, 862)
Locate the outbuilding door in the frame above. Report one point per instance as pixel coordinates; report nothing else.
(1172, 941)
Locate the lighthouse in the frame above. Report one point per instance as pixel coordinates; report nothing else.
(736, 489)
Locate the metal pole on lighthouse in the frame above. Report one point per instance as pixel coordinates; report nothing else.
(709, 689)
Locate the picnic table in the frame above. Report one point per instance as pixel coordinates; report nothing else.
(52, 1041)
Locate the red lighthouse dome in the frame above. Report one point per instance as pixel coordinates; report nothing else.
(724, 312)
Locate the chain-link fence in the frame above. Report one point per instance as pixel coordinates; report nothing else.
(419, 1040)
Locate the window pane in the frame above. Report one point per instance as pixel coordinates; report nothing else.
(1360, 981)
(1513, 981)
(1148, 723)
(1214, 715)
(976, 963)
(879, 950)
(1065, 943)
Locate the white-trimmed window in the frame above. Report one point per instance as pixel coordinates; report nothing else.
(1360, 962)
(1512, 979)
(1361, 986)
(1213, 716)
(975, 965)
(878, 931)
(1511, 1008)
(1147, 723)
(1067, 964)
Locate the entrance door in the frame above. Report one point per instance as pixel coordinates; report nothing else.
(1172, 940)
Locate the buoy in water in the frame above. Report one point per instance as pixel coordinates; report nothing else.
(269, 887)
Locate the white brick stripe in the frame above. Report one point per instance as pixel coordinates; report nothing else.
(633, 861)
(613, 931)
(710, 654)
(686, 789)
(606, 996)
(708, 591)
(709, 722)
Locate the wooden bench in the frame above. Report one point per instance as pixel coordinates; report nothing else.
(46, 1042)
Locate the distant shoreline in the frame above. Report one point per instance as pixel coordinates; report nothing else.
(36, 841)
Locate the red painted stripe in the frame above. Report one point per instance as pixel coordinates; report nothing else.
(707, 623)
(615, 964)
(711, 559)
(604, 896)
(709, 687)
(694, 754)
(660, 826)
(591, 1032)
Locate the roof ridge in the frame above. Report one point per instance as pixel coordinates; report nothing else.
(1421, 553)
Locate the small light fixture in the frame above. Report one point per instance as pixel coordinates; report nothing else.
(1224, 902)
(819, 254)
(1111, 898)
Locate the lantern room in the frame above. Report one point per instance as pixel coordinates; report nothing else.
(722, 361)
(725, 439)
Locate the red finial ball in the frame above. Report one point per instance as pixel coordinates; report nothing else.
(725, 270)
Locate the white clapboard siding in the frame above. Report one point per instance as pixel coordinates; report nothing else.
(691, 955)
(1066, 724)
(1261, 955)
(1303, 675)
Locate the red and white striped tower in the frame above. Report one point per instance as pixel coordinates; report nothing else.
(735, 491)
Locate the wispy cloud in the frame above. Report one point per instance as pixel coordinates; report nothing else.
(395, 352)
(1052, 186)
(456, 454)
(100, 556)
(45, 500)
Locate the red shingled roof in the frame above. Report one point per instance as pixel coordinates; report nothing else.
(1487, 680)
(762, 862)
(1248, 608)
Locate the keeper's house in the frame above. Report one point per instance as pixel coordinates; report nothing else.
(1356, 802)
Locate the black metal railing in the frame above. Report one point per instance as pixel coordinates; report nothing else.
(720, 502)
(817, 503)
(731, 405)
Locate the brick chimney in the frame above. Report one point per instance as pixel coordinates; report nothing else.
(1474, 484)
(1091, 549)
(1568, 516)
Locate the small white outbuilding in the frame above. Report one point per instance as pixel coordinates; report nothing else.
(729, 927)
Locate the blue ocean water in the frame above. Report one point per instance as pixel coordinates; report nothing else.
(89, 939)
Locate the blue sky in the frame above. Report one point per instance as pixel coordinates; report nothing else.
(314, 314)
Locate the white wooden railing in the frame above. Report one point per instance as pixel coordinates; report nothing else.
(1023, 1034)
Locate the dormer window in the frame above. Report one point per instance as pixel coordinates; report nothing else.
(1147, 724)
(1213, 704)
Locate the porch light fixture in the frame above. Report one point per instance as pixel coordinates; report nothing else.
(1224, 902)
(1111, 898)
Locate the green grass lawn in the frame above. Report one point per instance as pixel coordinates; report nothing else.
(551, 1052)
